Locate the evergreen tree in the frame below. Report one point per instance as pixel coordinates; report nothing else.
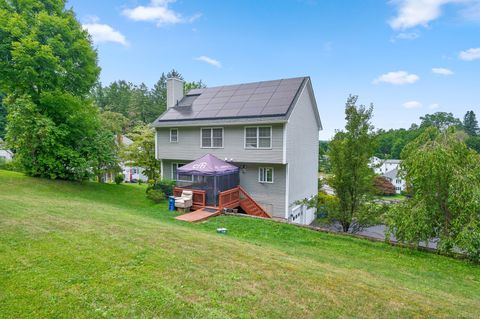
(470, 124)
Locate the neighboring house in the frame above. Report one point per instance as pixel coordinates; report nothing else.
(389, 169)
(131, 174)
(5, 155)
(268, 129)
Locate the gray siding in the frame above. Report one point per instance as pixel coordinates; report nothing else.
(270, 196)
(302, 150)
(188, 146)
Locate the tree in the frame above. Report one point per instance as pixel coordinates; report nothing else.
(440, 120)
(470, 124)
(105, 153)
(142, 151)
(3, 118)
(473, 143)
(444, 178)
(47, 68)
(194, 85)
(115, 123)
(383, 186)
(350, 152)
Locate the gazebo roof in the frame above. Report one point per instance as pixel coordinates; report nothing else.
(208, 165)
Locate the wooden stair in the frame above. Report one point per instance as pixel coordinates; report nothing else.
(250, 206)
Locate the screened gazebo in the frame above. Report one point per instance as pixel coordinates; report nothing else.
(209, 174)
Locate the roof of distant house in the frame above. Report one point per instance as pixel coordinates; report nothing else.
(392, 174)
(268, 99)
(126, 141)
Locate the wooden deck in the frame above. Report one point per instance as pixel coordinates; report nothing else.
(199, 215)
(232, 198)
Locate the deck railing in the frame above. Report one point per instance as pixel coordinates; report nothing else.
(229, 198)
(198, 198)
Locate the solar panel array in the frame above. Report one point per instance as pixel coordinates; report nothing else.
(266, 98)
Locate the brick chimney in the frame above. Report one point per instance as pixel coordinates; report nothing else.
(174, 91)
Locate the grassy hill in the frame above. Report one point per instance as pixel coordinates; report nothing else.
(103, 251)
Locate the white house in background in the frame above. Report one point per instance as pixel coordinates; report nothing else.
(131, 174)
(5, 155)
(389, 169)
(268, 129)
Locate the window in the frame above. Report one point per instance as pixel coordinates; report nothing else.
(212, 137)
(398, 188)
(258, 137)
(173, 135)
(265, 175)
(399, 181)
(175, 176)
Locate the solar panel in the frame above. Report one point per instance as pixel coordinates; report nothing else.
(249, 99)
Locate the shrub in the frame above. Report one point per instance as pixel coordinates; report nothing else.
(325, 204)
(155, 195)
(166, 186)
(383, 186)
(119, 178)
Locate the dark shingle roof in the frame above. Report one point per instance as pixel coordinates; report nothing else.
(258, 99)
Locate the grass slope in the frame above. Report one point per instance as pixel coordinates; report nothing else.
(103, 251)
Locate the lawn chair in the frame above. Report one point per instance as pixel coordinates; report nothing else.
(184, 202)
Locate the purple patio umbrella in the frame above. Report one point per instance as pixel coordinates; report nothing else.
(208, 165)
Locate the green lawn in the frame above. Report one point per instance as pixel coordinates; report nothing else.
(103, 251)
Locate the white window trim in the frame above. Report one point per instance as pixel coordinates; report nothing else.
(266, 182)
(211, 137)
(171, 135)
(258, 138)
(175, 177)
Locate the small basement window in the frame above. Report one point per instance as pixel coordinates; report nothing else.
(265, 175)
(173, 135)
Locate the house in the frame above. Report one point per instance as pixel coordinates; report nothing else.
(269, 130)
(389, 169)
(5, 155)
(130, 174)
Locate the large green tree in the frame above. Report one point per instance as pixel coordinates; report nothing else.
(443, 176)
(352, 178)
(470, 124)
(440, 120)
(47, 68)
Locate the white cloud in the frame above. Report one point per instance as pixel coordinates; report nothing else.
(209, 60)
(470, 54)
(442, 71)
(397, 78)
(434, 106)
(102, 33)
(158, 11)
(407, 35)
(412, 13)
(412, 105)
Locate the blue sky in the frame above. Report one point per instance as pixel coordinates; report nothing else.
(407, 57)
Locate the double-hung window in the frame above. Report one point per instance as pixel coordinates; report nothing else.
(258, 137)
(212, 137)
(173, 135)
(265, 175)
(176, 177)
